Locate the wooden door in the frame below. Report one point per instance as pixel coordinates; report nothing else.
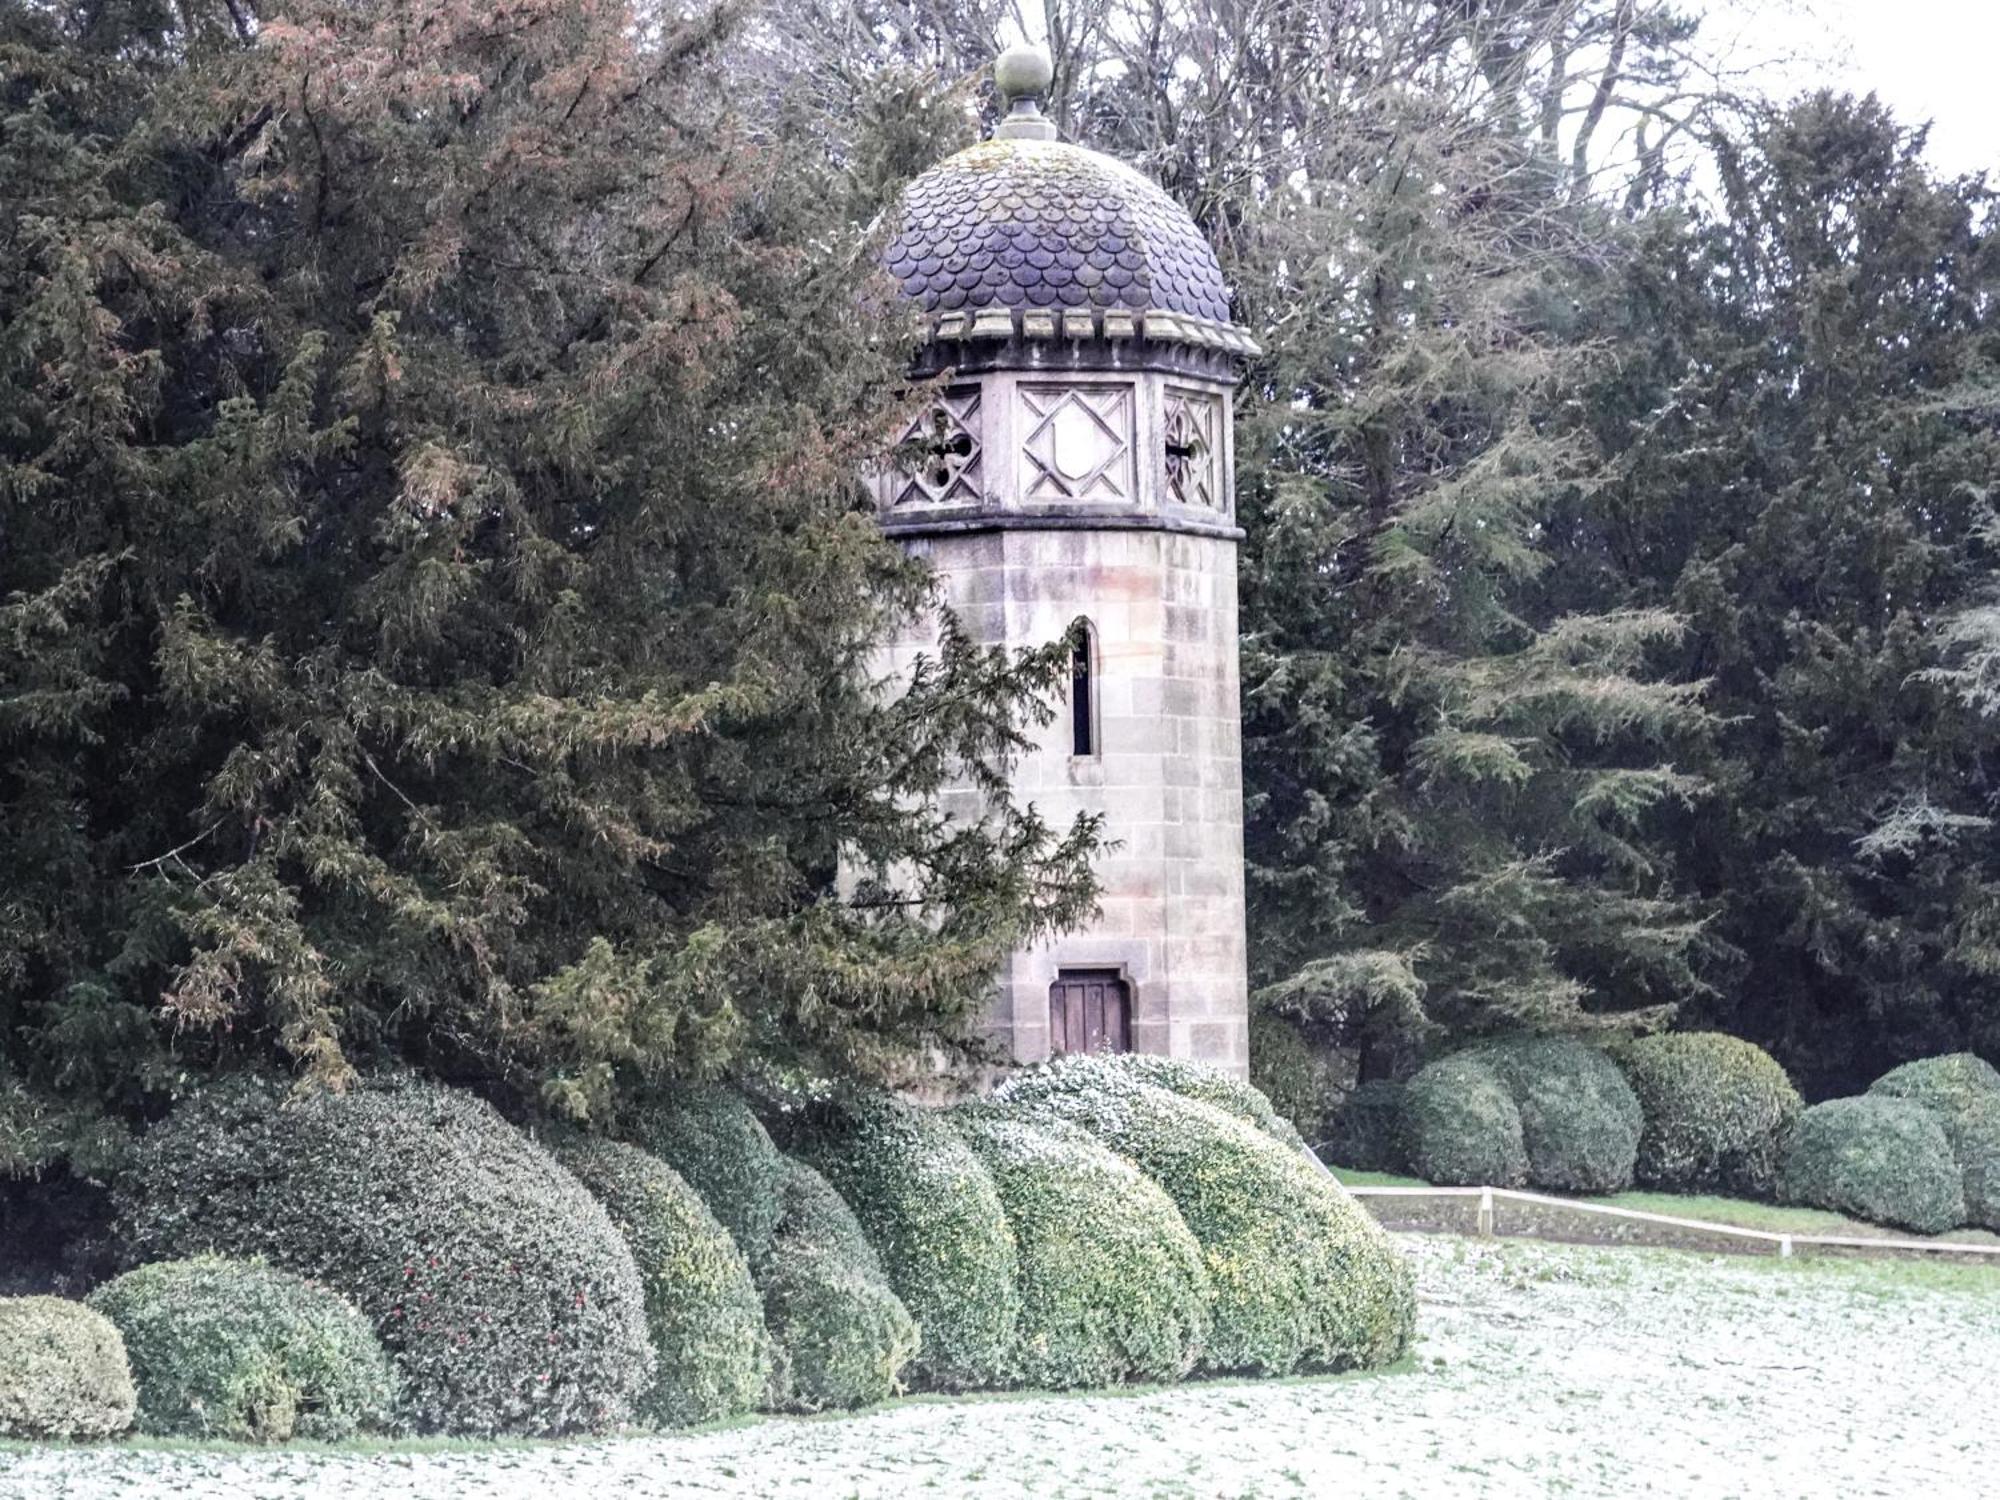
(1090, 1010)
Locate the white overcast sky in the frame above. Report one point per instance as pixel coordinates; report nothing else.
(1927, 59)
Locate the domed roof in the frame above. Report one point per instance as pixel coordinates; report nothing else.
(1026, 235)
(1024, 223)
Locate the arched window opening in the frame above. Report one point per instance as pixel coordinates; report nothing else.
(1082, 689)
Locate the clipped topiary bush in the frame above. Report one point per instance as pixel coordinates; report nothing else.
(1580, 1120)
(842, 1336)
(1297, 1078)
(1461, 1127)
(1877, 1158)
(1365, 1130)
(232, 1349)
(930, 1209)
(1949, 1084)
(1963, 1091)
(1193, 1080)
(1113, 1286)
(1717, 1112)
(506, 1297)
(709, 1135)
(1301, 1276)
(703, 1313)
(62, 1371)
(1974, 1133)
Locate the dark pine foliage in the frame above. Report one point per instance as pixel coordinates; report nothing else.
(1806, 449)
(435, 591)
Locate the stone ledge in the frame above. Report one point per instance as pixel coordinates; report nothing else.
(1057, 518)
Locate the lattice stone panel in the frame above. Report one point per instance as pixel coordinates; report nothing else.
(942, 452)
(1077, 443)
(1193, 427)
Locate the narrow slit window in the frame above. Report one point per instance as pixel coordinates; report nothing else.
(1082, 690)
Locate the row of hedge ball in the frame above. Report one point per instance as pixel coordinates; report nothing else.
(205, 1347)
(1102, 1220)
(1683, 1112)
(1689, 1112)
(1017, 1249)
(530, 1288)
(1920, 1150)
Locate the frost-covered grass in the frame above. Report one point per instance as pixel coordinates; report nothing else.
(1539, 1369)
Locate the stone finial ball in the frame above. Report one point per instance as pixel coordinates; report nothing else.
(1023, 72)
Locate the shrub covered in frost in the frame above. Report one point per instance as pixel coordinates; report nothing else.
(1193, 1080)
(503, 1293)
(1461, 1127)
(1365, 1130)
(62, 1371)
(1717, 1112)
(1876, 1157)
(232, 1349)
(1301, 1277)
(1113, 1286)
(1963, 1091)
(930, 1209)
(709, 1135)
(841, 1335)
(703, 1314)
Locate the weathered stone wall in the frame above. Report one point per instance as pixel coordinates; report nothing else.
(1167, 773)
(1107, 495)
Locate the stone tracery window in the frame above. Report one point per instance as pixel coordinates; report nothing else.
(1078, 443)
(1193, 422)
(941, 452)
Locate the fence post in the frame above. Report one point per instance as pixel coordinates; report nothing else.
(1784, 1247)
(1484, 1224)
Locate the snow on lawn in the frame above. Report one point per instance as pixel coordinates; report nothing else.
(1540, 1369)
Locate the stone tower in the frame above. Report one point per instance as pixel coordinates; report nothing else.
(1077, 465)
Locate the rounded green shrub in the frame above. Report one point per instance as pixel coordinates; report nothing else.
(502, 1291)
(1963, 1091)
(841, 1335)
(709, 1135)
(1580, 1120)
(1461, 1127)
(1717, 1111)
(1301, 1277)
(1113, 1286)
(1878, 1158)
(931, 1211)
(1296, 1077)
(232, 1349)
(1365, 1130)
(1948, 1084)
(703, 1314)
(1974, 1133)
(1193, 1080)
(62, 1371)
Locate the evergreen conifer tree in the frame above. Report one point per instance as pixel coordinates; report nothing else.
(1806, 444)
(435, 588)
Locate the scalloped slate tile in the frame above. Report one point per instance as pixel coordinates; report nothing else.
(1047, 224)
